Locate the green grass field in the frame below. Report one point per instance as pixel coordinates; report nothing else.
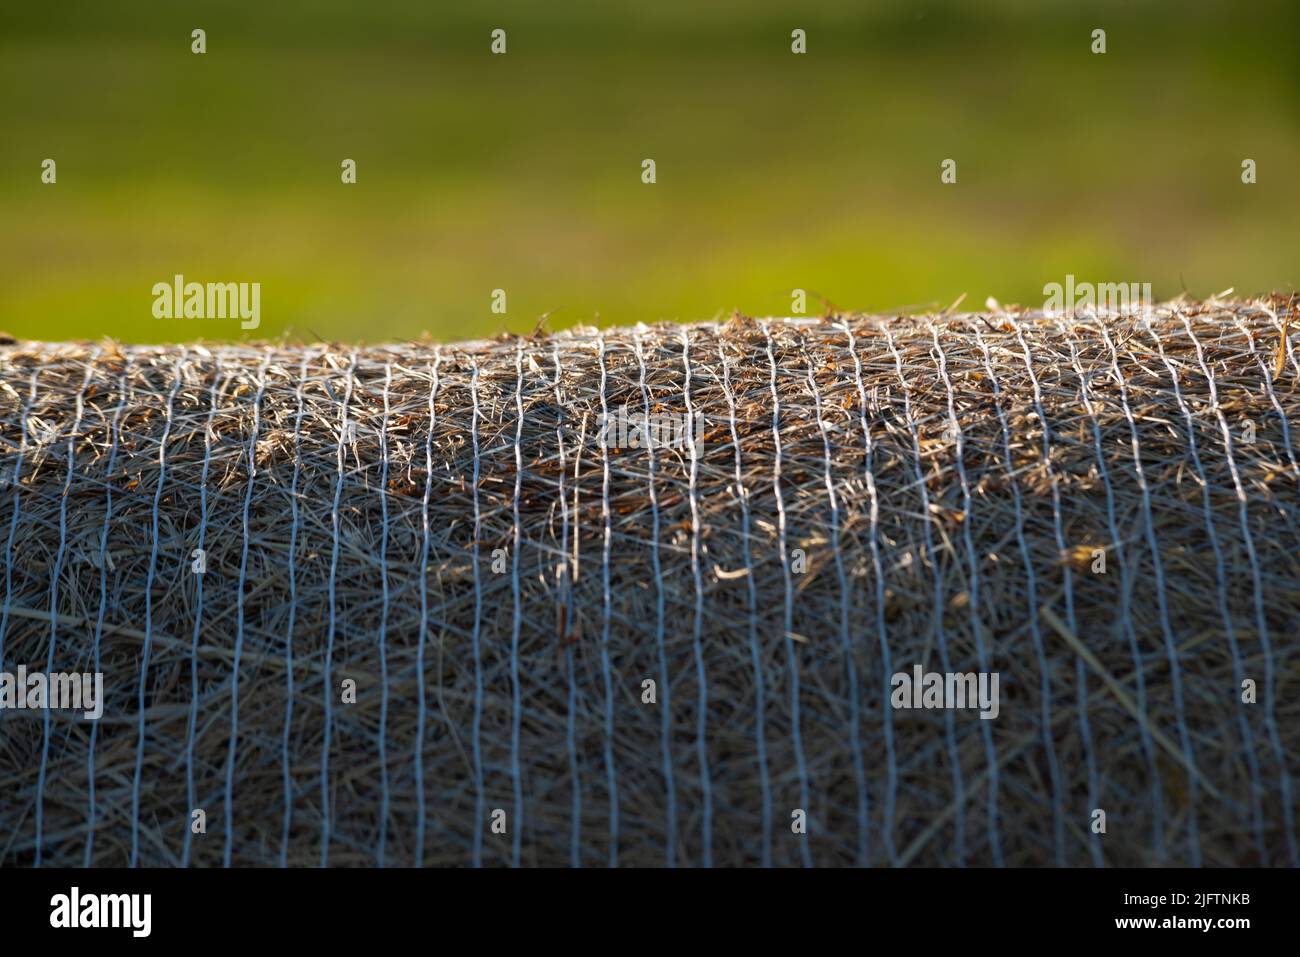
(522, 171)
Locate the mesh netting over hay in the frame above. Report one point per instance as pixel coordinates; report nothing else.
(441, 525)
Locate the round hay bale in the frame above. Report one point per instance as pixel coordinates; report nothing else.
(404, 604)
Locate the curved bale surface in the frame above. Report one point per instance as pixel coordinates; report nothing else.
(404, 605)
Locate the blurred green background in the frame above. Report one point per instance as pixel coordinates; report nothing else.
(522, 171)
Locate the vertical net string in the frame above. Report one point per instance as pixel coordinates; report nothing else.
(787, 620)
(751, 608)
(148, 608)
(191, 729)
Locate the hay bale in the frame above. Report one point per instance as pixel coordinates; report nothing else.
(443, 526)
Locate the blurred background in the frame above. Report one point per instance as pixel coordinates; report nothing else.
(523, 172)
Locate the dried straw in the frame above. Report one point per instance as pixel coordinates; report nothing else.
(443, 526)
